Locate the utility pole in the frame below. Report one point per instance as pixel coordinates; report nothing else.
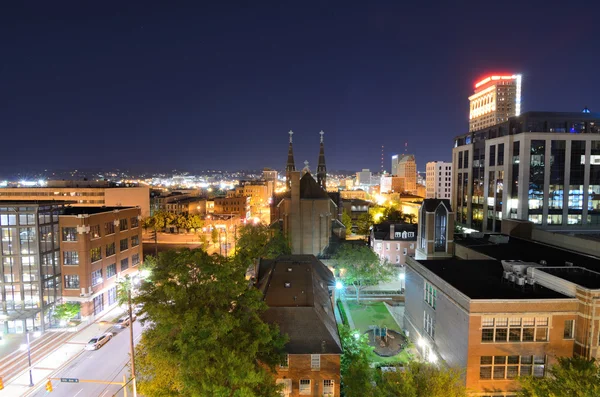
(131, 348)
(155, 243)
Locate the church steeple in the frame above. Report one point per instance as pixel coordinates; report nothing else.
(321, 168)
(290, 163)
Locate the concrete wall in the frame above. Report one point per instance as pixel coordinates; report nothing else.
(574, 243)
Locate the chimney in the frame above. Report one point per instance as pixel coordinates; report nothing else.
(392, 229)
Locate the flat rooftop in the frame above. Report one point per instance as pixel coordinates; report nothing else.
(24, 203)
(528, 251)
(577, 275)
(92, 210)
(482, 279)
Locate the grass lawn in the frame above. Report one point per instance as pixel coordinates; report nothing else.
(371, 313)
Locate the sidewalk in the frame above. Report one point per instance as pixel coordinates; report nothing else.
(67, 350)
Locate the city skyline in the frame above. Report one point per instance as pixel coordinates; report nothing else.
(218, 87)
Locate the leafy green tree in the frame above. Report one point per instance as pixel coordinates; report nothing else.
(357, 374)
(195, 221)
(392, 214)
(214, 236)
(410, 218)
(572, 376)
(67, 310)
(180, 221)
(147, 223)
(260, 241)
(347, 221)
(360, 267)
(364, 223)
(205, 335)
(421, 379)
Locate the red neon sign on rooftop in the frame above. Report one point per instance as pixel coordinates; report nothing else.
(490, 78)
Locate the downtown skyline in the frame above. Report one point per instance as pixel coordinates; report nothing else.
(145, 86)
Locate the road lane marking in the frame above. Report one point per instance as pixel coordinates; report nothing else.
(103, 394)
(78, 393)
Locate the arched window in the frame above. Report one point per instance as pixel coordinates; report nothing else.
(440, 228)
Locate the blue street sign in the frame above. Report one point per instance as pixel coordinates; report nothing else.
(69, 380)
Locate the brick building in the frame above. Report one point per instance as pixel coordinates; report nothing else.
(98, 245)
(394, 241)
(239, 206)
(299, 292)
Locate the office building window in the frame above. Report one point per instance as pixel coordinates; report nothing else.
(135, 259)
(569, 329)
(315, 362)
(95, 231)
(305, 389)
(69, 234)
(123, 244)
(70, 258)
(111, 270)
(112, 295)
(71, 282)
(135, 241)
(492, 155)
(430, 294)
(500, 154)
(328, 387)
(96, 277)
(134, 222)
(110, 249)
(536, 175)
(123, 224)
(124, 264)
(429, 324)
(514, 329)
(96, 254)
(109, 228)
(98, 304)
(285, 362)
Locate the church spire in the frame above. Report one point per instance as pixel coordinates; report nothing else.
(321, 168)
(290, 163)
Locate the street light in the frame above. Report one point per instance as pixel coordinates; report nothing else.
(28, 347)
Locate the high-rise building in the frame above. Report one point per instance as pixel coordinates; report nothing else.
(363, 178)
(439, 180)
(29, 264)
(496, 98)
(541, 166)
(404, 166)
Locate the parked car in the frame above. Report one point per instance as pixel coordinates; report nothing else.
(98, 341)
(124, 321)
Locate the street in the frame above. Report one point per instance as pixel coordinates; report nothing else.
(109, 363)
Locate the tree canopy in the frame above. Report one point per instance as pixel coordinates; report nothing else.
(421, 379)
(573, 377)
(260, 241)
(67, 310)
(360, 267)
(347, 222)
(205, 335)
(364, 223)
(357, 374)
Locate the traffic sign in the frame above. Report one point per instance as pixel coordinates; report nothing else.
(69, 380)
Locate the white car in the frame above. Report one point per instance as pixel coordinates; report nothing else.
(124, 321)
(98, 341)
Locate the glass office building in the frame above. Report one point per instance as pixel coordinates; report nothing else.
(29, 258)
(541, 166)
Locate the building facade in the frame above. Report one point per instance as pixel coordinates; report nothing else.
(542, 166)
(299, 290)
(496, 98)
(84, 194)
(31, 273)
(98, 247)
(404, 166)
(237, 205)
(394, 242)
(438, 181)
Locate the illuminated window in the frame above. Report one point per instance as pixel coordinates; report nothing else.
(305, 389)
(315, 362)
(527, 329)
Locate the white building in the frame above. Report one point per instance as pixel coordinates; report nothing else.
(439, 180)
(363, 177)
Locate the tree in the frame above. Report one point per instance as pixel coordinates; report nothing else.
(206, 336)
(364, 223)
(260, 241)
(421, 379)
(572, 376)
(195, 221)
(392, 214)
(67, 310)
(214, 236)
(410, 218)
(347, 221)
(360, 267)
(357, 374)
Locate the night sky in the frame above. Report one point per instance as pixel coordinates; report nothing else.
(217, 85)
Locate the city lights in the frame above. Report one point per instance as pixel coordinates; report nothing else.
(339, 285)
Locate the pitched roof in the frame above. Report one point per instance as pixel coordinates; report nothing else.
(310, 189)
(296, 288)
(431, 205)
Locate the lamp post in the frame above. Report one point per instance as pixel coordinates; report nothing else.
(29, 355)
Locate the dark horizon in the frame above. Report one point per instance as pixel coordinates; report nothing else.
(217, 86)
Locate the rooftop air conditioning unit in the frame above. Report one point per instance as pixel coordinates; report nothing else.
(530, 281)
(512, 277)
(543, 262)
(568, 263)
(506, 274)
(521, 281)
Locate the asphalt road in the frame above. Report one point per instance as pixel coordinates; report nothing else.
(109, 363)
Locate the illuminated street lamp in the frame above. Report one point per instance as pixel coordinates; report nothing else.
(339, 285)
(27, 346)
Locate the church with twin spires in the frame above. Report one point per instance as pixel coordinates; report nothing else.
(305, 212)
